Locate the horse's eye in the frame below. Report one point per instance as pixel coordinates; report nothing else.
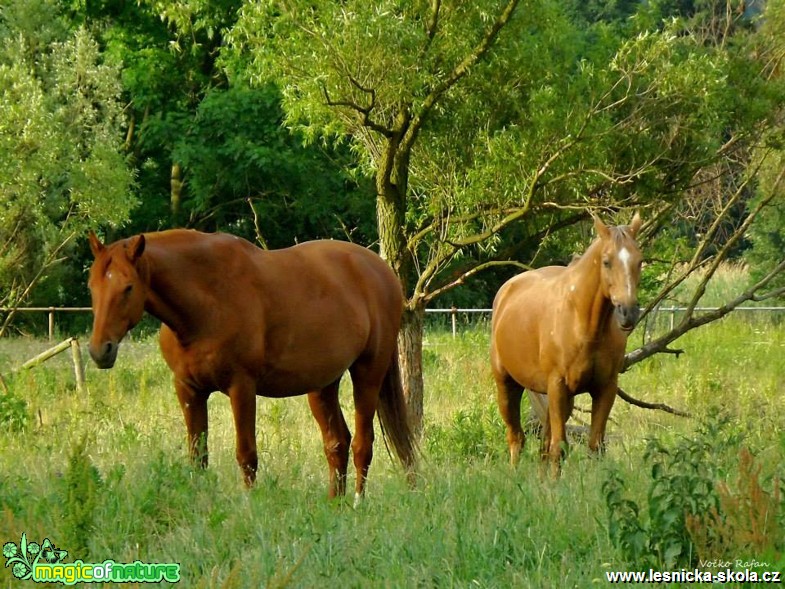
(606, 262)
(128, 290)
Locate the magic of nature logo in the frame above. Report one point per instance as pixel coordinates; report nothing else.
(44, 563)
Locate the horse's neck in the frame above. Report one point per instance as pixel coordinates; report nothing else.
(591, 306)
(172, 295)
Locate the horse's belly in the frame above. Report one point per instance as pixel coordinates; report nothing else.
(283, 383)
(527, 373)
(305, 365)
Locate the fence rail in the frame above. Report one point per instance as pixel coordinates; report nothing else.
(669, 311)
(50, 311)
(452, 311)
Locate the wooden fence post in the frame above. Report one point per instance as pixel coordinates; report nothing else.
(76, 354)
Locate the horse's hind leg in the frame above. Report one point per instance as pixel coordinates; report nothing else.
(326, 408)
(194, 407)
(508, 396)
(367, 381)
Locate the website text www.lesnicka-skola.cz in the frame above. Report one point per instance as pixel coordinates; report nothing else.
(695, 576)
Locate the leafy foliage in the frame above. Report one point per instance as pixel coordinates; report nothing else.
(13, 410)
(235, 150)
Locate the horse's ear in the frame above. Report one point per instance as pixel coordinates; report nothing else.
(135, 248)
(635, 224)
(600, 227)
(95, 244)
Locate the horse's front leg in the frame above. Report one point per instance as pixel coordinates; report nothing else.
(242, 395)
(194, 406)
(601, 405)
(559, 409)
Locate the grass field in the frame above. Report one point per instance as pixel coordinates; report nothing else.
(105, 475)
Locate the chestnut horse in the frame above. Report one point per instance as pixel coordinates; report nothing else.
(248, 322)
(561, 331)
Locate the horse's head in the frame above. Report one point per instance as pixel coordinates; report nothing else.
(118, 294)
(621, 262)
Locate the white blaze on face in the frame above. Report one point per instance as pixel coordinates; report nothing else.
(625, 258)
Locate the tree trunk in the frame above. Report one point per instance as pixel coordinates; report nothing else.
(410, 358)
(391, 191)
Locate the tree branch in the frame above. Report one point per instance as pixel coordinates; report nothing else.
(51, 259)
(658, 406)
(364, 112)
(471, 272)
(433, 21)
(691, 322)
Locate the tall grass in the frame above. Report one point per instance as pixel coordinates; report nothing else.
(105, 475)
(727, 282)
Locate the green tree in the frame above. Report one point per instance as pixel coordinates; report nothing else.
(61, 166)
(768, 237)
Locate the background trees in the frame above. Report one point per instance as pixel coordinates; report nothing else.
(60, 128)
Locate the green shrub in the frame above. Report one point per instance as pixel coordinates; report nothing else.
(682, 486)
(80, 498)
(474, 434)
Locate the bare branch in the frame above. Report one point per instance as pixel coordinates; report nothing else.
(691, 321)
(658, 406)
(363, 112)
(51, 260)
(469, 273)
(259, 237)
(433, 21)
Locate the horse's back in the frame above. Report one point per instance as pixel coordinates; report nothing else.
(288, 278)
(344, 271)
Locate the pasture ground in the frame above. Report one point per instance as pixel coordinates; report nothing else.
(105, 476)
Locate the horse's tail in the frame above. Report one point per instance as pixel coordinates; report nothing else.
(394, 417)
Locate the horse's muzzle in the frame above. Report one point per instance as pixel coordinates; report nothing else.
(627, 316)
(104, 355)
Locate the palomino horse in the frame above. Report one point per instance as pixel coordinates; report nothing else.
(249, 322)
(561, 331)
